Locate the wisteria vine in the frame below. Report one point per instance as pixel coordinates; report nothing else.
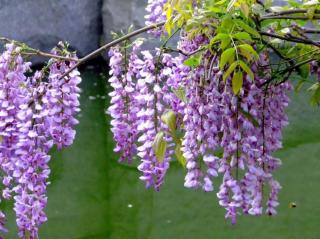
(215, 103)
(205, 106)
(37, 112)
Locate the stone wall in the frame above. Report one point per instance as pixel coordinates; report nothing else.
(42, 23)
(85, 24)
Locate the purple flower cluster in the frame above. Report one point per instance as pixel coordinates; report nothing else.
(151, 91)
(123, 107)
(34, 116)
(138, 102)
(223, 133)
(13, 95)
(61, 104)
(155, 11)
(252, 123)
(155, 14)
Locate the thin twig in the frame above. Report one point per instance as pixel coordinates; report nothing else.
(291, 38)
(48, 55)
(288, 71)
(288, 12)
(289, 17)
(111, 44)
(298, 65)
(310, 30)
(34, 52)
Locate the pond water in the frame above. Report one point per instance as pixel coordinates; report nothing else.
(93, 197)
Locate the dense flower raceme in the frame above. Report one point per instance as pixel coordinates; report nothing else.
(227, 134)
(123, 108)
(35, 115)
(136, 107)
(156, 14)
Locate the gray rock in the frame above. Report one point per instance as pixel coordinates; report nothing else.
(42, 23)
(120, 14)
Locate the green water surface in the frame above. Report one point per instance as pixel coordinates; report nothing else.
(93, 197)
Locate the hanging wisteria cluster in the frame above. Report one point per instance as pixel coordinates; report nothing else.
(194, 109)
(37, 111)
(215, 102)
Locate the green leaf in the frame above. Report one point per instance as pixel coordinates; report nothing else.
(311, 3)
(294, 4)
(169, 118)
(246, 69)
(223, 38)
(285, 30)
(227, 24)
(181, 94)
(193, 61)
(277, 41)
(237, 82)
(219, 37)
(245, 9)
(247, 28)
(226, 56)
(220, 2)
(250, 118)
(179, 155)
(230, 70)
(169, 24)
(231, 4)
(315, 97)
(276, 9)
(247, 51)
(299, 85)
(242, 36)
(304, 71)
(225, 43)
(159, 146)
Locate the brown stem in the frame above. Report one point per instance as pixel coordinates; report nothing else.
(44, 54)
(310, 30)
(289, 17)
(111, 44)
(288, 12)
(288, 71)
(291, 38)
(34, 52)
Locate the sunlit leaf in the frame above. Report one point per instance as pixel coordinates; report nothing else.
(311, 3)
(231, 4)
(304, 70)
(179, 155)
(247, 28)
(242, 36)
(237, 82)
(226, 56)
(159, 146)
(220, 2)
(193, 61)
(248, 51)
(230, 70)
(247, 69)
(276, 9)
(169, 118)
(181, 94)
(245, 9)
